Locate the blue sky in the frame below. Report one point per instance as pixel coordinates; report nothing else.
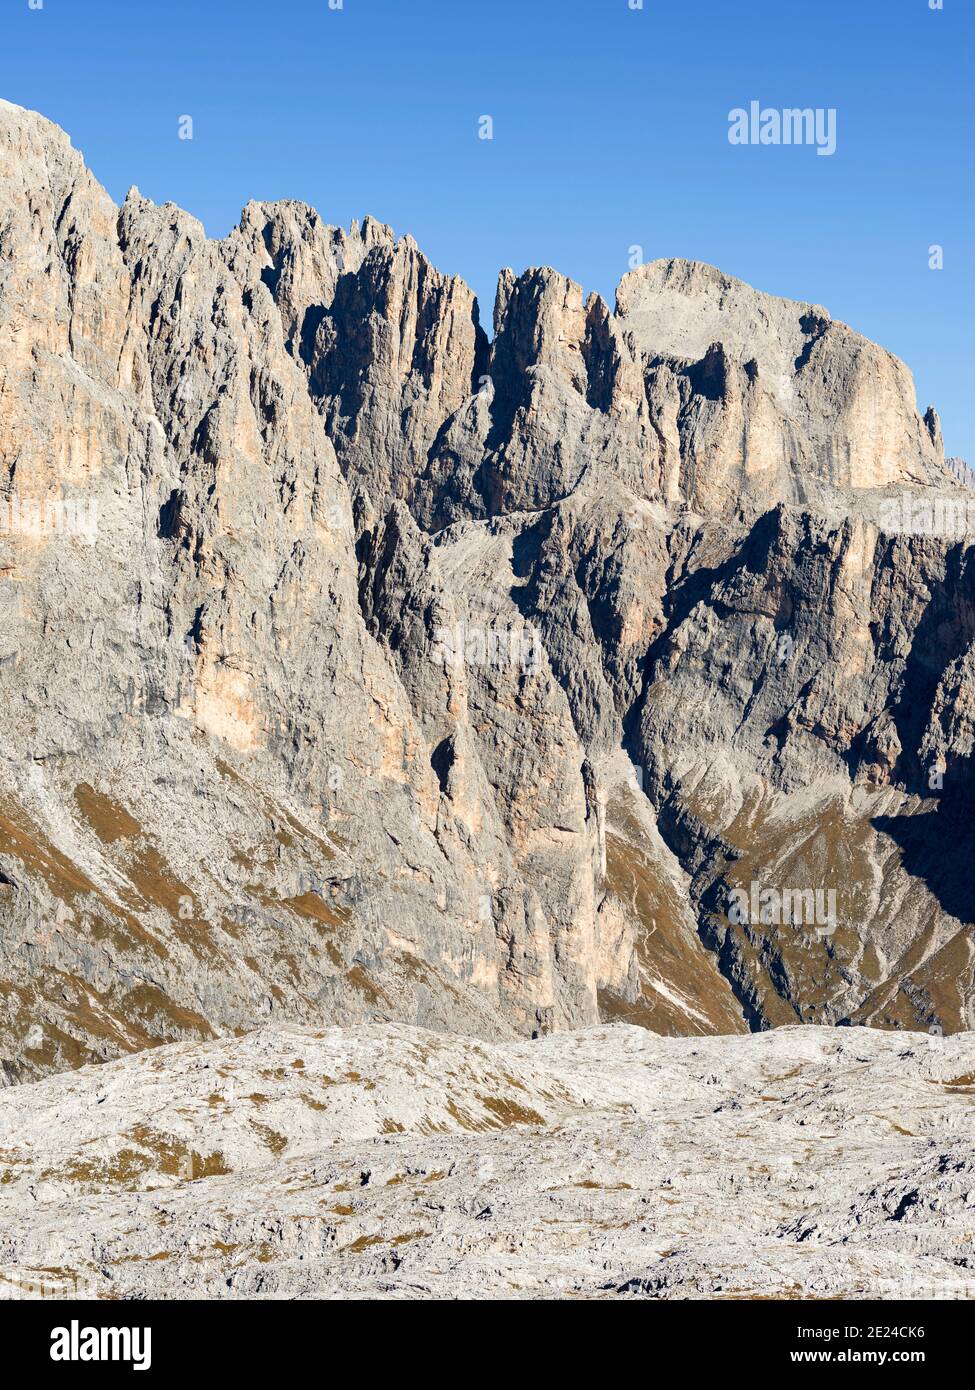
(610, 130)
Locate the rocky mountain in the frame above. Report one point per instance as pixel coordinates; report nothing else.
(962, 470)
(359, 668)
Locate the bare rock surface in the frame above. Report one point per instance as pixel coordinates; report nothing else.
(784, 398)
(402, 676)
(390, 1162)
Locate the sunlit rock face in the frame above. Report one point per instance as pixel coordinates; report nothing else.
(356, 667)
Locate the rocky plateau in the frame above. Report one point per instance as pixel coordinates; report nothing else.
(388, 1162)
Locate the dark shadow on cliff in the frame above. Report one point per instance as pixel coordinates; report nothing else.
(938, 847)
(945, 631)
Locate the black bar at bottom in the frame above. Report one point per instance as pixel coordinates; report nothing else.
(258, 1338)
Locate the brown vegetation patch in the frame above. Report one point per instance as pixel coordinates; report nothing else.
(509, 1112)
(162, 1016)
(109, 821)
(363, 1243)
(276, 1142)
(314, 907)
(361, 981)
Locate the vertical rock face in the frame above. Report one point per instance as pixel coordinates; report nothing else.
(357, 667)
(777, 398)
(218, 754)
(393, 357)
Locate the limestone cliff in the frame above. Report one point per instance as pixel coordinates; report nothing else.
(357, 667)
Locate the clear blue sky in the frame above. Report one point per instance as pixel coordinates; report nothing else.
(610, 130)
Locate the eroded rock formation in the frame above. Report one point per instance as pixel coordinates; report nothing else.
(407, 675)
